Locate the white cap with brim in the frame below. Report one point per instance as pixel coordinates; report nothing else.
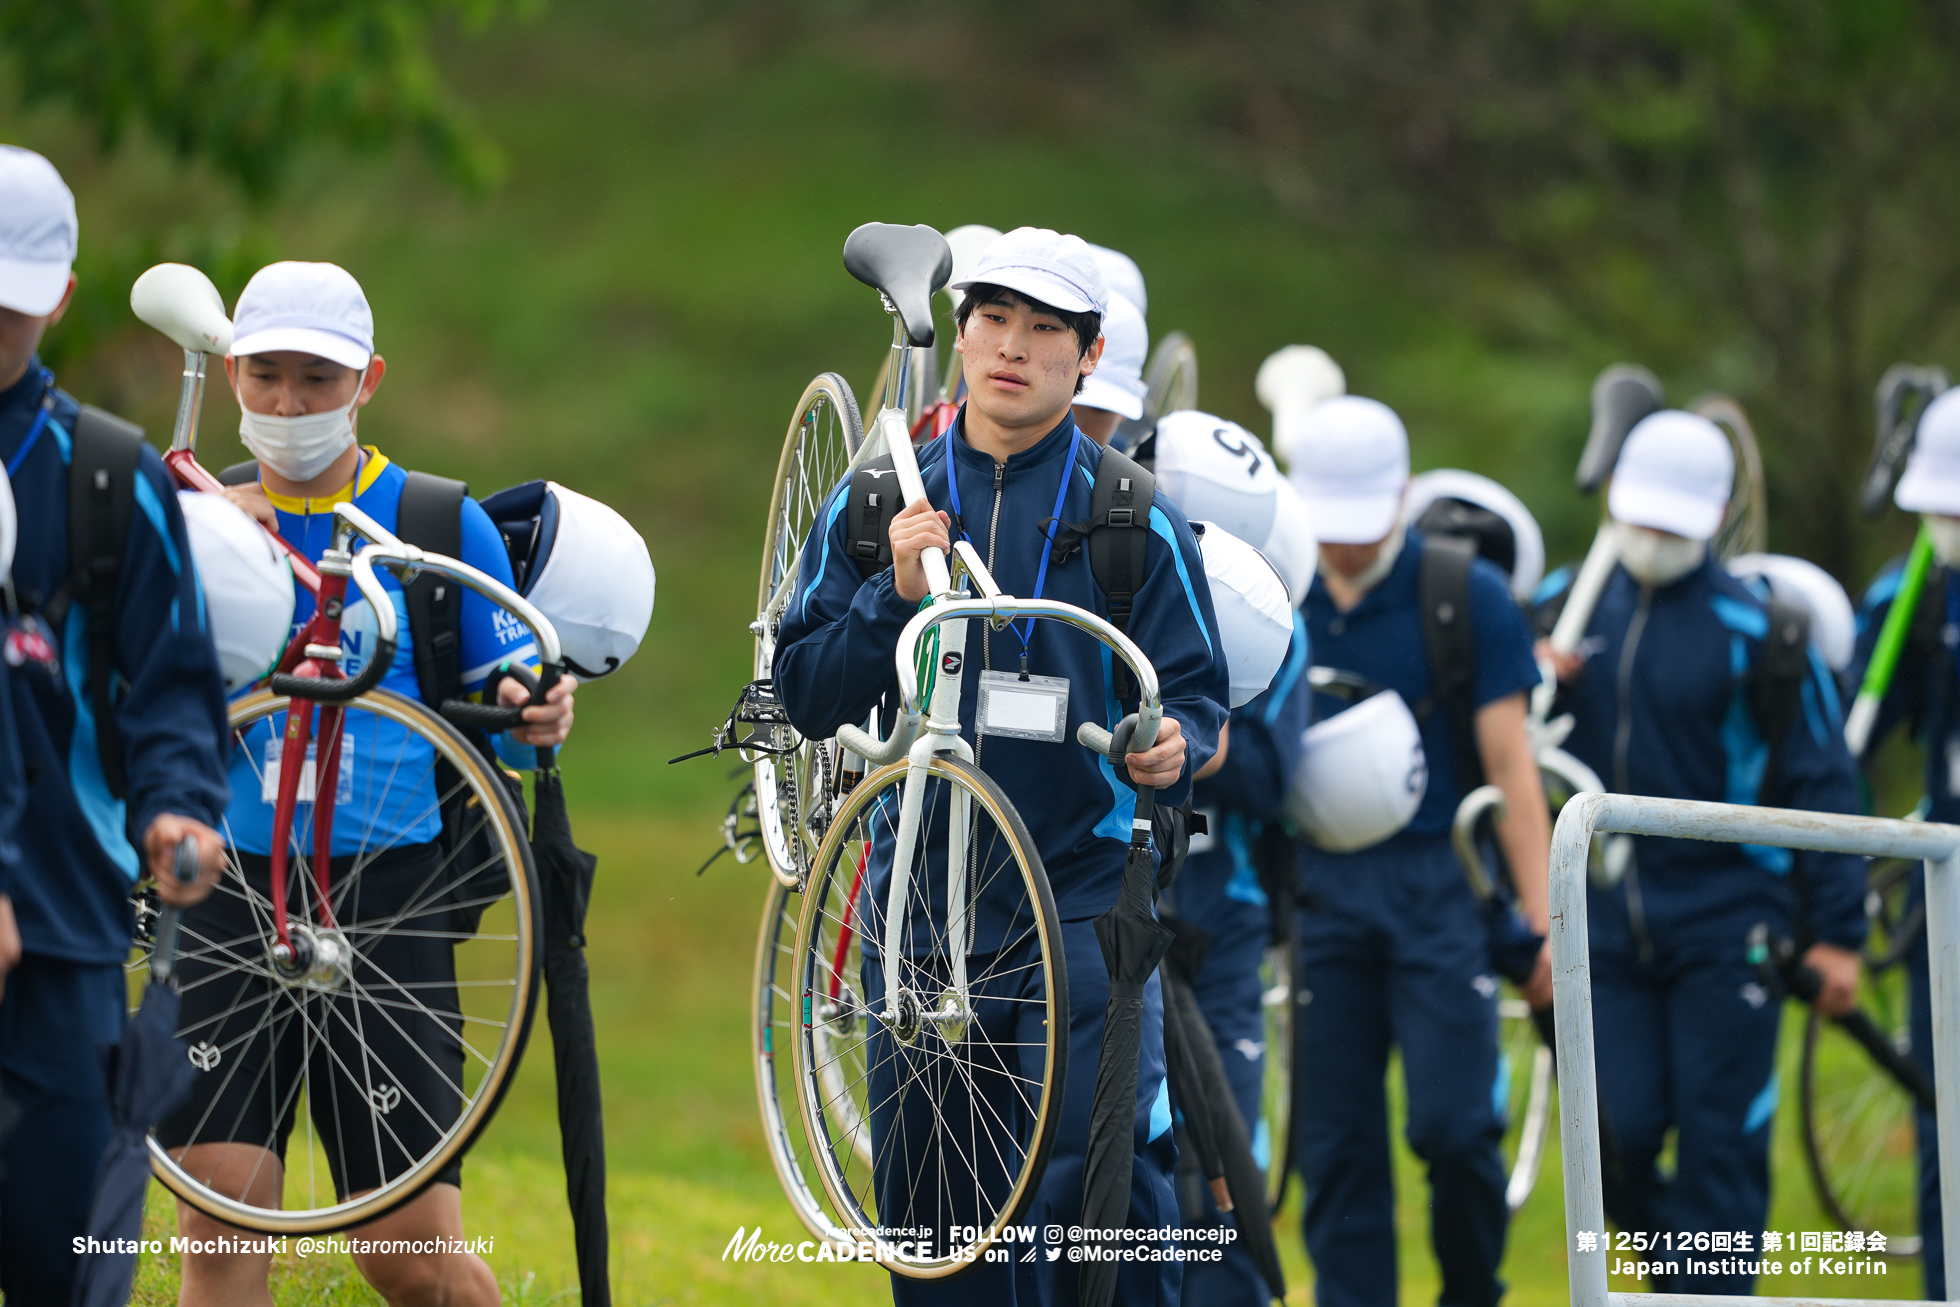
(1931, 483)
(38, 233)
(1350, 461)
(312, 308)
(1122, 275)
(1046, 266)
(1674, 475)
(1117, 386)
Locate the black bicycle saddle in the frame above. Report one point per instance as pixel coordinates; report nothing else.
(1623, 394)
(907, 263)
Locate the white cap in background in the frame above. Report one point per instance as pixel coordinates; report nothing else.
(38, 233)
(1122, 275)
(1350, 461)
(1117, 383)
(1931, 483)
(315, 308)
(1674, 475)
(1057, 270)
(967, 241)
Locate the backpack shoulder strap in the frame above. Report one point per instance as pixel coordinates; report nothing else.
(1776, 693)
(873, 502)
(1448, 641)
(1119, 540)
(101, 494)
(431, 518)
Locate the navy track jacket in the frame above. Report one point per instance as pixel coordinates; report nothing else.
(1662, 708)
(1925, 688)
(71, 893)
(834, 659)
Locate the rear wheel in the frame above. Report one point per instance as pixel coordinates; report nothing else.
(793, 788)
(1526, 1068)
(341, 1077)
(922, 1113)
(1272, 1135)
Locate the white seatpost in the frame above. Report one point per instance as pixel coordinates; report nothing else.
(1580, 601)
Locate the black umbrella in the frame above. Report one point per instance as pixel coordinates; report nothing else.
(565, 874)
(149, 1075)
(1198, 1080)
(1133, 943)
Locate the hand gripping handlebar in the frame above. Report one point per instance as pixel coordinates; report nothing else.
(1000, 611)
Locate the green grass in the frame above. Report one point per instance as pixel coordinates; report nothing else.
(634, 315)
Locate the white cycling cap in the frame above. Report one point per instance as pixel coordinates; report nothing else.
(247, 585)
(1117, 383)
(38, 233)
(1361, 777)
(583, 566)
(1290, 382)
(1527, 541)
(1217, 471)
(1057, 270)
(1255, 617)
(967, 242)
(1350, 463)
(1122, 275)
(1833, 625)
(1931, 483)
(314, 308)
(1674, 475)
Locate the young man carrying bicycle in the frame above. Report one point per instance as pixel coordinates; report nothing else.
(303, 366)
(65, 918)
(1011, 468)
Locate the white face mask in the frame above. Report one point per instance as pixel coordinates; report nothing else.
(1370, 576)
(1946, 537)
(300, 448)
(1656, 558)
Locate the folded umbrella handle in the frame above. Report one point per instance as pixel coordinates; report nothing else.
(163, 953)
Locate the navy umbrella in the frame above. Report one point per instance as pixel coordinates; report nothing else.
(1133, 943)
(565, 874)
(149, 1075)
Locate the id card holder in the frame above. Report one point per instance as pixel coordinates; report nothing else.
(1034, 709)
(308, 786)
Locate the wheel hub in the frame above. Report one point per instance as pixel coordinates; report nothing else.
(315, 959)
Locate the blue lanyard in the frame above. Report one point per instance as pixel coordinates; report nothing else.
(1054, 522)
(40, 424)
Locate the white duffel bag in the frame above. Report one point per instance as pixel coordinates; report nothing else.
(247, 583)
(1361, 776)
(584, 567)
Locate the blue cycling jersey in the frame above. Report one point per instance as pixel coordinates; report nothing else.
(384, 789)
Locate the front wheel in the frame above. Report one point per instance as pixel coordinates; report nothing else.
(930, 1105)
(346, 1068)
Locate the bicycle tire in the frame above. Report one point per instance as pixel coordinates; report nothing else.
(503, 883)
(1528, 1065)
(772, 1033)
(825, 435)
(1171, 377)
(961, 1048)
(1745, 523)
(1857, 1121)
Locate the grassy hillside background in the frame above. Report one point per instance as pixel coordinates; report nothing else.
(633, 313)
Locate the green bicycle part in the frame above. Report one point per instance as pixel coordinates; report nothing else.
(1891, 642)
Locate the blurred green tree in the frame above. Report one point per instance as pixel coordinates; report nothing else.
(1760, 194)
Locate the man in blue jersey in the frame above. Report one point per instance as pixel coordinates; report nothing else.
(1923, 696)
(1669, 700)
(1011, 466)
(86, 843)
(1393, 949)
(303, 366)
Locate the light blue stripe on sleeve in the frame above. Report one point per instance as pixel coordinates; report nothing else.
(146, 499)
(823, 559)
(1162, 526)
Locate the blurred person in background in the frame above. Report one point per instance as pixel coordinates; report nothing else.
(1669, 699)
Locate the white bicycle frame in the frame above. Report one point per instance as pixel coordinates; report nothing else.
(918, 737)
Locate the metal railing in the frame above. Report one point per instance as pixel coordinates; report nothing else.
(1587, 814)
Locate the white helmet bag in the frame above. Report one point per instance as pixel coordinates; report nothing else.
(1361, 777)
(1833, 626)
(1527, 542)
(584, 567)
(247, 583)
(9, 529)
(1217, 471)
(1255, 619)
